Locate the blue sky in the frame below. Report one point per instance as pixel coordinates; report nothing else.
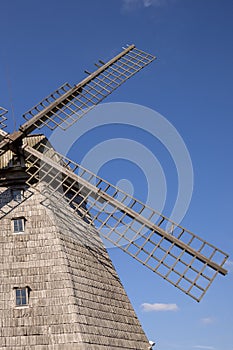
(46, 43)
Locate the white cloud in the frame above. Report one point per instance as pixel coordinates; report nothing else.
(207, 320)
(129, 5)
(159, 307)
(203, 347)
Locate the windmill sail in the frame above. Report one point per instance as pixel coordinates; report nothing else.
(68, 104)
(3, 118)
(176, 254)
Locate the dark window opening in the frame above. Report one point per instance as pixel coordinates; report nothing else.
(19, 225)
(17, 195)
(21, 296)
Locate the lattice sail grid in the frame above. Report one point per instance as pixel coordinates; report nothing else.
(179, 256)
(66, 105)
(3, 118)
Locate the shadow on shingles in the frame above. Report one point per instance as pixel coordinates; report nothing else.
(78, 231)
(9, 204)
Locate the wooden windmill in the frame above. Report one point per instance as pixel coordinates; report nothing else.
(59, 289)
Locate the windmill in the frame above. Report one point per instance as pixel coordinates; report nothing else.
(59, 289)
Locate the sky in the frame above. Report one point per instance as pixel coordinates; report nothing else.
(189, 87)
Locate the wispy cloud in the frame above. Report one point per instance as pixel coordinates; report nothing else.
(129, 5)
(207, 320)
(148, 3)
(203, 347)
(159, 307)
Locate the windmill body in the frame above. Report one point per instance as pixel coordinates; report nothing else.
(59, 289)
(75, 298)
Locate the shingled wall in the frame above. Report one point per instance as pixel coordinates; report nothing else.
(76, 299)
